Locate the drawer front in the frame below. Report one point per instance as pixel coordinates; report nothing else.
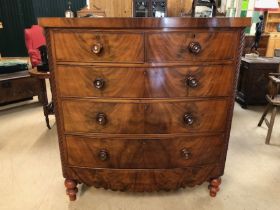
(99, 47)
(144, 83)
(144, 118)
(143, 153)
(181, 47)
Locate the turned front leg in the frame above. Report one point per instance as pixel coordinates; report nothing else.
(214, 186)
(71, 188)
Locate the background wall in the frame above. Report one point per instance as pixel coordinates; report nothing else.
(17, 15)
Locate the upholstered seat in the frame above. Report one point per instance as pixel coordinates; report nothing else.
(34, 38)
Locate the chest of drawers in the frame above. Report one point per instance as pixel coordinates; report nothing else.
(143, 104)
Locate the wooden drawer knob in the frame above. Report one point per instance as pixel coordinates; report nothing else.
(101, 119)
(188, 119)
(99, 83)
(192, 82)
(96, 48)
(103, 155)
(186, 154)
(194, 47)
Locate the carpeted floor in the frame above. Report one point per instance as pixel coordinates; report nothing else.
(31, 177)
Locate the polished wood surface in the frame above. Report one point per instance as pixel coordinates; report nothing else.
(148, 117)
(143, 153)
(91, 46)
(39, 74)
(145, 180)
(175, 47)
(148, 105)
(155, 82)
(148, 23)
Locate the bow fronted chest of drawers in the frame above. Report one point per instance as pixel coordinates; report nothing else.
(143, 104)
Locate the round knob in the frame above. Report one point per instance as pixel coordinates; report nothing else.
(188, 119)
(99, 83)
(96, 48)
(186, 154)
(194, 47)
(103, 155)
(101, 119)
(192, 82)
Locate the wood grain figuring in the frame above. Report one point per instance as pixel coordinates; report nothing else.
(155, 82)
(145, 118)
(146, 23)
(144, 104)
(78, 46)
(144, 153)
(174, 47)
(144, 180)
(115, 8)
(177, 7)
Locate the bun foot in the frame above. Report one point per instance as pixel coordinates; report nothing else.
(214, 186)
(71, 189)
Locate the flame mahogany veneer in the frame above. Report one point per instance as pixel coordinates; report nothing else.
(143, 104)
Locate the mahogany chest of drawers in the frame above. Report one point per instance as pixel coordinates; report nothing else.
(143, 104)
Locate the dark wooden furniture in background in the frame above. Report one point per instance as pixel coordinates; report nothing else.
(249, 40)
(148, 8)
(253, 80)
(47, 107)
(17, 86)
(273, 99)
(144, 104)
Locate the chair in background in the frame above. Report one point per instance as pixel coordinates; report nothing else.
(34, 38)
(35, 41)
(273, 98)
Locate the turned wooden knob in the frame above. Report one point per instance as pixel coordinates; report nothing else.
(186, 154)
(96, 48)
(99, 83)
(103, 155)
(188, 119)
(192, 81)
(194, 47)
(101, 119)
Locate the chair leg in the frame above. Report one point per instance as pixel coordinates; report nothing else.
(271, 123)
(264, 114)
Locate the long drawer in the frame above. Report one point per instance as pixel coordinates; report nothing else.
(187, 46)
(146, 117)
(143, 153)
(89, 46)
(144, 83)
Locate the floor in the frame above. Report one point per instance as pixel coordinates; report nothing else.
(31, 177)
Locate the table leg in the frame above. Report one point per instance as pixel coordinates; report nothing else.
(44, 99)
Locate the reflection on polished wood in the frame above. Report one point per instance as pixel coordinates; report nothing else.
(144, 104)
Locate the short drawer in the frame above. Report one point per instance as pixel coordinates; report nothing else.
(148, 117)
(143, 153)
(89, 46)
(187, 46)
(81, 81)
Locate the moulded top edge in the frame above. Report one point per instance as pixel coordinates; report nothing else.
(169, 22)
